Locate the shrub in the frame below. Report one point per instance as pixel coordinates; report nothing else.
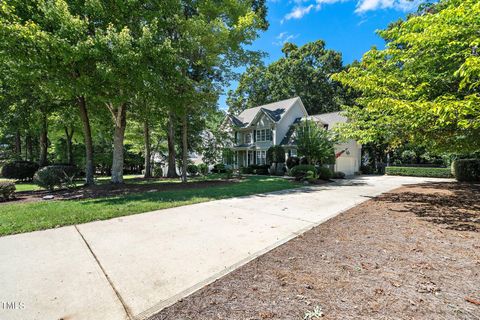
(466, 169)
(53, 176)
(324, 173)
(261, 169)
(310, 176)
(203, 168)
(275, 154)
(301, 170)
(19, 170)
(192, 169)
(246, 170)
(157, 172)
(219, 168)
(292, 162)
(338, 175)
(7, 189)
(229, 173)
(419, 172)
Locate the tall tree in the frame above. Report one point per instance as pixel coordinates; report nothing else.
(424, 87)
(304, 71)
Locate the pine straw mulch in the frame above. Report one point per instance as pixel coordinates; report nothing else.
(413, 253)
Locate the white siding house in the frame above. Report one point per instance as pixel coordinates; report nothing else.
(257, 129)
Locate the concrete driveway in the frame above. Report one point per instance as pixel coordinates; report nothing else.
(132, 267)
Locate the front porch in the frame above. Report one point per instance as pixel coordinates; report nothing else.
(244, 158)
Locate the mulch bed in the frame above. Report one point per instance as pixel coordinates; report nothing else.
(413, 253)
(110, 190)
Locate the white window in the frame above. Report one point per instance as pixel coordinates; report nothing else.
(293, 152)
(248, 138)
(261, 157)
(264, 135)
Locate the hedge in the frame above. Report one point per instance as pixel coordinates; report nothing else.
(466, 169)
(19, 170)
(419, 172)
(301, 170)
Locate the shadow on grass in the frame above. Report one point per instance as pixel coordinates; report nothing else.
(248, 188)
(453, 205)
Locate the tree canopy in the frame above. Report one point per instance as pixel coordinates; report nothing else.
(120, 62)
(424, 86)
(304, 71)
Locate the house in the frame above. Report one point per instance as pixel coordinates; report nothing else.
(256, 129)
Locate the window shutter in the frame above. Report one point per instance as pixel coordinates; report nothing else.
(236, 137)
(254, 135)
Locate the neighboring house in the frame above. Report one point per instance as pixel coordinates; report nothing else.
(256, 129)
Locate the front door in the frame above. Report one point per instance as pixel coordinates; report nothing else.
(250, 158)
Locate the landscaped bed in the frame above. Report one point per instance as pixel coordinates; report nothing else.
(410, 254)
(107, 201)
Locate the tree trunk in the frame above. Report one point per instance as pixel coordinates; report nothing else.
(184, 148)
(120, 118)
(172, 172)
(18, 144)
(28, 148)
(43, 141)
(69, 136)
(146, 138)
(87, 134)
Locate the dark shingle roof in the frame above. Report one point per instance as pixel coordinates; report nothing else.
(274, 110)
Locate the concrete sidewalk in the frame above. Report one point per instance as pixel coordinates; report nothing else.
(132, 267)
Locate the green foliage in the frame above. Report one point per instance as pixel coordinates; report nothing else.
(157, 171)
(419, 172)
(203, 168)
(466, 169)
(19, 170)
(219, 168)
(423, 88)
(246, 170)
(303, 71)
(192, 169)
(301, 170)
(53, 176)
(314, 143)
(260, 169)
(324, 173)
(275, 154)
(7, 189)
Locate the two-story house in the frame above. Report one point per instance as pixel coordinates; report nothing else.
(257, 129)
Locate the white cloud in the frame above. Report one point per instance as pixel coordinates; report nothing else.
(298, 12)
(284, 37)
(369, 5)
(301, 8)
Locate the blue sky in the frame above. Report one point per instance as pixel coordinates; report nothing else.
(347, 26)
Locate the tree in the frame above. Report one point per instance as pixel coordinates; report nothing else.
(314, 143)
(210, 39)
(304, 71)
(424, 87)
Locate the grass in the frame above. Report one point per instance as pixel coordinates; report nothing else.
(30, 186)
(25, 217)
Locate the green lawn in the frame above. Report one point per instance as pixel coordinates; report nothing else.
(30, 186)
(24, 217)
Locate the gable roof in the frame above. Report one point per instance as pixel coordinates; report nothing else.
(331, 118)
(275, 111)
